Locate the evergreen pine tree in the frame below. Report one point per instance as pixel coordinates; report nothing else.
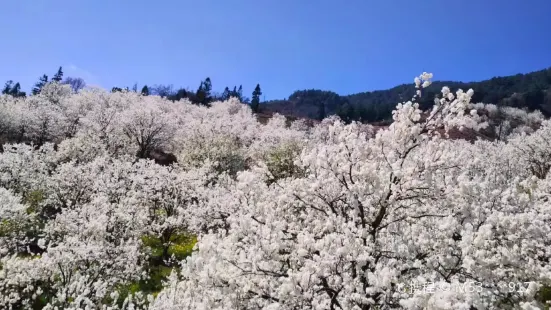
(200, 94)
(255, 102)
(180, 94)
(203, 94)
(16, 91)
(7, 88)
(145, 90)
(207, 88)
(240, 93)
(226, 93)
(58, 76)
(41, 82)
(13, 90)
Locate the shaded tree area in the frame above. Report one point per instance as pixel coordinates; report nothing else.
(13, 89)
(312, 103)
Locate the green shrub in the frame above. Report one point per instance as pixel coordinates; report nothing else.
(280, 162)
(181, 245)
(33, 200)
(544, 295)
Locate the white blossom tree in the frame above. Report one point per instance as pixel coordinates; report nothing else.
(284, 216)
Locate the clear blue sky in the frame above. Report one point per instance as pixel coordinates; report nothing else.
(346, 46)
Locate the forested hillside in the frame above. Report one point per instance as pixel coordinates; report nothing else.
(531, 91)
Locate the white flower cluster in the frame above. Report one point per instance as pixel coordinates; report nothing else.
(285, 217)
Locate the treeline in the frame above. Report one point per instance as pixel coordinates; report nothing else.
(204, 94)
(14, 89)
(530, 91)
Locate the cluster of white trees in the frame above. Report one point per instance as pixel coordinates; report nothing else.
(333, 216)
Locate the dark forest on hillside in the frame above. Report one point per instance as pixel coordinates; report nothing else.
(531, 91)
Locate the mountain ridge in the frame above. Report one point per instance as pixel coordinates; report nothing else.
(531, 91)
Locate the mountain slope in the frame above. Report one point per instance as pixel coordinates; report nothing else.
(531, 91)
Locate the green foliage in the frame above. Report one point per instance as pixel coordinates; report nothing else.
(280, 162)
(544, 295)
(225, 154)
(41, 301)
(33, 200)
(181, 245)
(152, 285)
(7, 227)
(27, 226)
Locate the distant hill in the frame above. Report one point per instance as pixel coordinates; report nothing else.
(530, 91)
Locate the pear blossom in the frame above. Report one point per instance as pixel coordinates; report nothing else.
(286, 216)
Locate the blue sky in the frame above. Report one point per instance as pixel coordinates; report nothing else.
(347, 46)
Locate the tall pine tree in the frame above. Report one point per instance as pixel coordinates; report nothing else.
(226, 93)
(7, 87)
(178, 95)
(236, 93)
(145, 90)
(207, 88)
(41, 82)
(58, 76)
(200, 94)
(203, 94)
(16, 91)
(255, 102)
(240, 93)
